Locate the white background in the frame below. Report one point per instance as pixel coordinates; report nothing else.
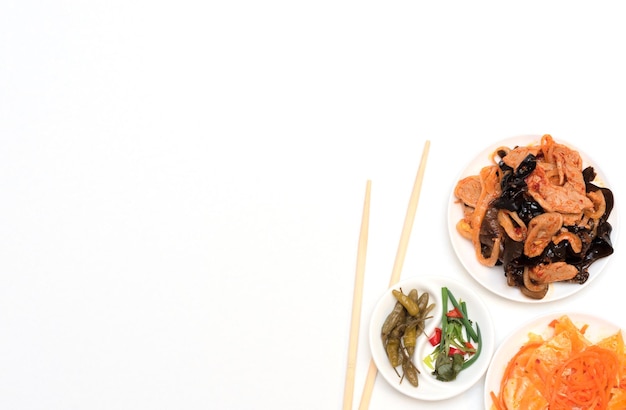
(181, 183)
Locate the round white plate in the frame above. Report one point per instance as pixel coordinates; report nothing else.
(597, 330)
(493, 278)
(429, 388)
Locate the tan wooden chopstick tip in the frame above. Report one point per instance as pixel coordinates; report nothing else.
(409, 217)
(357, 297)
(399, 262)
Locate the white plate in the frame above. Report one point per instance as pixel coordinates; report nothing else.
(493, 278)
(598, 329)
(429, 388)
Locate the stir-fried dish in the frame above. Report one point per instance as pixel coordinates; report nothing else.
(537, 213)
(565, 371)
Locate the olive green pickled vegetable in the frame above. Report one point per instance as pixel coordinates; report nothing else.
(428, 309)
(409, 304)
(413, 295)
(393, 351)
(401, 329)
(410, 339)
(410, 372)
(422, 301)
(394, 318)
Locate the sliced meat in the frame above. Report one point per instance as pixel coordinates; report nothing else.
(541, 229)
(574, 240)
(490, 190)
(556, 198)
(468, 190)
(516, 156)
(552, 272)
(512, 224)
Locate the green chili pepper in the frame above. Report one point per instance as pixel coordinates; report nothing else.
(410, 339)
(422, 302)
(393, 351)
(410, 372)
(413, 295)
(409, 304)
(393, 319)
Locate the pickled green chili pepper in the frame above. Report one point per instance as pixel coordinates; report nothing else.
(414, 328)
(394, 318)
(427, 310)
(409, 304)
(393, 351)
(394, 345)
(414, 295)
(409, 339)
(422, 301)
(401, 328)
(410, 372)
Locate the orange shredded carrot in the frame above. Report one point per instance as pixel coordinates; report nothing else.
(496, 402)
(517, 361)
(567, 370)
(584, 328)
(584, 381)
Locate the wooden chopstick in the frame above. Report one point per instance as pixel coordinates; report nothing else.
(399, 262)
(356, 301)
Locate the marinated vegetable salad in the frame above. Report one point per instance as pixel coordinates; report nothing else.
(456, 343)
(571, 364)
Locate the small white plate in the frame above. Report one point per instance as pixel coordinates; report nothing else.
(597, 330)
(429, 388)
(493, 278)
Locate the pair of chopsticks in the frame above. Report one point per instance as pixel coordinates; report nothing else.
(358, 284)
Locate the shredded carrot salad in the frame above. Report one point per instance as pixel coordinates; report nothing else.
(565, 371)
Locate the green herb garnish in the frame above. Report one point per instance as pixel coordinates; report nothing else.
(454, 350)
